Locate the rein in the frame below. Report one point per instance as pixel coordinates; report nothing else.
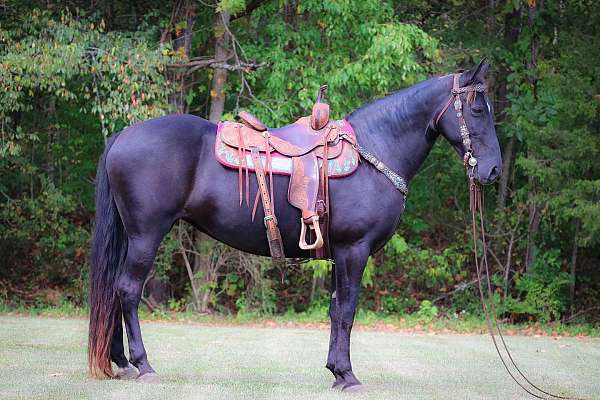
(476, 208)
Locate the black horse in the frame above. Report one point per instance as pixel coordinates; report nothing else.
(162, 170)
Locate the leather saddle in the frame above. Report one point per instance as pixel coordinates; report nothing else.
(310, 150)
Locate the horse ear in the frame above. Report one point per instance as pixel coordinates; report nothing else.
(479, 73)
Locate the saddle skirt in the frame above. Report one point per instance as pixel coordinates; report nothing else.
(342, 159)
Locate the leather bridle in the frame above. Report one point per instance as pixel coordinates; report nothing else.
(455, 98)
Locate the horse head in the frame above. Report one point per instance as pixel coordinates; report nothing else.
(467, 122)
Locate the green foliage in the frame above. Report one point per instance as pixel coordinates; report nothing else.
(260, 298)
(426, 267)
(358, 61)
(319, 268)
(543, 292)
(44, 237)
(231, 6)
(397, 305)
(427, 311)
(115, 76)
(65, 83)
(70, 78)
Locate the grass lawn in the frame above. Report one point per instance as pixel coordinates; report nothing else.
(45, 358)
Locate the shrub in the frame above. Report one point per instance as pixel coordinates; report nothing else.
(542, 293)
(427, 311)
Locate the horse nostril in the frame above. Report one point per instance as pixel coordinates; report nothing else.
(494, 173)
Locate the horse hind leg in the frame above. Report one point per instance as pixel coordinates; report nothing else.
(125, 370)
(140, 256)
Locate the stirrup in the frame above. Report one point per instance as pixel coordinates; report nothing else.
(315, 226)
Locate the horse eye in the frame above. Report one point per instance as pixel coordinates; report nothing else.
(477, 110)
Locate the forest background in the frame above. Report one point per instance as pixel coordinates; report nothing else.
(74, 72)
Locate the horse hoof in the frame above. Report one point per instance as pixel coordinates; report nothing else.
(339, 383)
(128, 372)
(150, 377)
(354, 388)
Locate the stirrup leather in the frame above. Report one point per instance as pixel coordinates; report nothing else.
(315, 227)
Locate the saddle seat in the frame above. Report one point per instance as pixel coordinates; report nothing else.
(310, 150)
(291, 140)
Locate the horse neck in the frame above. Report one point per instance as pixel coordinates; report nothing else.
(394, 128)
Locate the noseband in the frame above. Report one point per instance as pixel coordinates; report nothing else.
(471, 90)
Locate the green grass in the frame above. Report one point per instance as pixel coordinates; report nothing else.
(318, 316)
(44, 358)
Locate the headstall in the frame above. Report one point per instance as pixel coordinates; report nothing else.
(455, 98)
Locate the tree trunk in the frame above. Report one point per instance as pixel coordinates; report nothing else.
(203, 276)
(534, 215)
(511, 35)
(290, 9)
(52, 134)
(533, 227)
(185, 12)
(574, 267)
(318, 283)
(205, 272)
(222, 42)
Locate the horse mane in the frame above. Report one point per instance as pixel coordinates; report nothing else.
(395, 110)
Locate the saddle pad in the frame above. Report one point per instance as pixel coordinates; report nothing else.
(343, 165)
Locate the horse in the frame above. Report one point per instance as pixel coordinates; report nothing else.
(162, 170)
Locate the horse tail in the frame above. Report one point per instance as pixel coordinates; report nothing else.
(108, 252)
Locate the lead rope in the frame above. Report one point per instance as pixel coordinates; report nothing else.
(476, 206)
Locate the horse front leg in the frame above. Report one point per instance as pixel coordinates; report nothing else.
(350, 264)
(333, 316)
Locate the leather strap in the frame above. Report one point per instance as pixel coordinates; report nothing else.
(273, 234)
(322, 204)
(469, 160)
(476, 207)
(243, 163)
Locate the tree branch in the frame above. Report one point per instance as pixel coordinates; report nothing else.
(193, 66)
(242, 66)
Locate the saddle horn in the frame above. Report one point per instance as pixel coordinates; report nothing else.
(321, 93)
(320, 112)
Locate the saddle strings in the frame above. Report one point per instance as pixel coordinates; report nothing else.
(241, 159)
(242, 164)
(476, 207)
(268, 149)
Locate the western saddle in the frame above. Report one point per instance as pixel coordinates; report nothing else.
(310, 150)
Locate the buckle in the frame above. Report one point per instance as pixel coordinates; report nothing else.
(269, 217)
(320, 205)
